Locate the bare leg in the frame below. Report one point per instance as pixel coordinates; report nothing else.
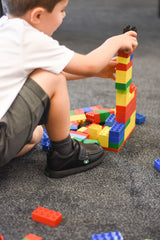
(58, 125)
(37, 135)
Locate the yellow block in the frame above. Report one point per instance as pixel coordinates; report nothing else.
(94, 130)
(104, 137)
(124, 99)
(123, 60)
(82, 129)
(130, 126)
(123, 76)
(81, 118)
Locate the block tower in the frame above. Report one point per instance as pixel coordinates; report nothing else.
(126, 93)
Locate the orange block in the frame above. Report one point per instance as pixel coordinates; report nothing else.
(32, 237)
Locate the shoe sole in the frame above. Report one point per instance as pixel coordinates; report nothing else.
(64, 173)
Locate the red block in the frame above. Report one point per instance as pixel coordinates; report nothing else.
(123, 113)
(109, 110)
(80, 133)
(93, 117)
(1, 237)
(98, 107)
(124, 67)
(32, 237)
(46, 216)
(123, 54)
(78, 111)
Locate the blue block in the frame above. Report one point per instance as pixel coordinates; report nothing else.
(131, 57)
(157, 164)
(74, 127)
(116, 139)
(140, 118)
(45, 141)
(110, 120)
(107, 236)
(87, 109)
(117, 129)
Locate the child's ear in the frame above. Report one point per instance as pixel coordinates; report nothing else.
(36, 14)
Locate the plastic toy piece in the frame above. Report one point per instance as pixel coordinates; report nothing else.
(1, 237)
(140, 118)
(110, 120)
(46, 216)
(31, 237)
(108, 236)
(157, 164)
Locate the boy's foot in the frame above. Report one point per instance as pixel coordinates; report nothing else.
(82, 158)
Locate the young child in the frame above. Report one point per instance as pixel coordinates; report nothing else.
(33, 91)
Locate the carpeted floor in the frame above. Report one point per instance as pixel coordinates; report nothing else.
(123, 193)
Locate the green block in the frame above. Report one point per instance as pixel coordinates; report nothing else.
(78, 139)
(72, 113)
(123, 86)
(91, 141)
(116, 145)
(123, 91)
(127, 123)
(103, 115)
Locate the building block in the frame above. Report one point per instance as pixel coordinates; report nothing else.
(91, 141)
(31, 237)
(140, 118)
(123, 76)
(124, 67)
(74, 127)
(116, 139)
(104, 137)
(46, 216)
(45, 141)
(157, 164)
(78, 111)
(81, 118)
(107, 236)
(87, 109)
(117, 129)
(97, 107)
(93, 117)
(123, 86)
(103, 115)
(94, 130)
(124, 99)
(1, 237)
(110, 120)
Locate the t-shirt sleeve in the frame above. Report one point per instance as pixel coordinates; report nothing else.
(42, 51)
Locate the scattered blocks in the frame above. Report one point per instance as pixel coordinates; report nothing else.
(157, 164)
(46, 216)
(107, 236)
(140, 118)
(31, 237)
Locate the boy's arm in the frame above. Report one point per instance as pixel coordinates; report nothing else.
(107, 72)
(96, 61)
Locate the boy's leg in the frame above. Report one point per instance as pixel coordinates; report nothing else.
(36, 138)
(66, 156)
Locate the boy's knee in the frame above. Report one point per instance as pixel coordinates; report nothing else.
(48, 81)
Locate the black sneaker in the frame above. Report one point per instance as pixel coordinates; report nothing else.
(82, 158)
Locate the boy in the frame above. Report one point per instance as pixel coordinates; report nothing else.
(33, 91)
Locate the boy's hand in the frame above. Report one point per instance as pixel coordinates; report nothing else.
(110, 70)
(128, 41)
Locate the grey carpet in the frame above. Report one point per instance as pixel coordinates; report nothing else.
(123, 193)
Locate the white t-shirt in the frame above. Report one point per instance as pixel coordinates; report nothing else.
(22, 50)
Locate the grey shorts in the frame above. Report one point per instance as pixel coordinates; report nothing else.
(29, 109)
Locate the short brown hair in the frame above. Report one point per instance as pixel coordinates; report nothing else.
(20, 7)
